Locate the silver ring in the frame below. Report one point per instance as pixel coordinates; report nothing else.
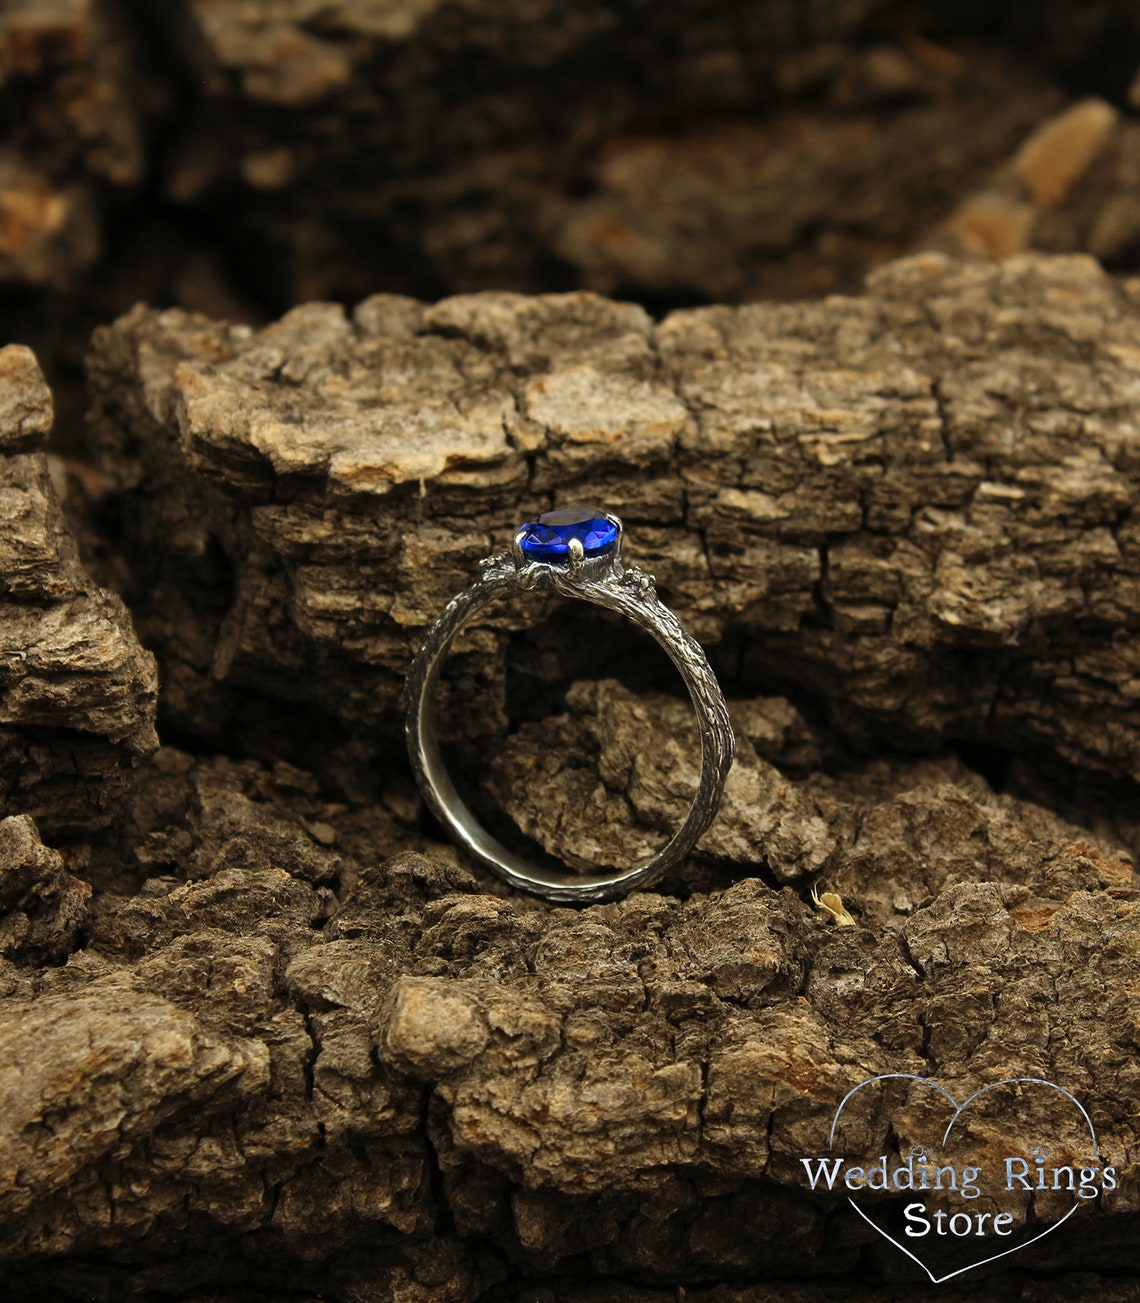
(575, 552)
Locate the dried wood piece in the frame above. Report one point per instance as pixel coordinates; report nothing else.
(41, 904)
(915, 505)
(25, 401)
(557, 143)
(71, 86)
(807, 201)
(77, 692)
(1071, 185)
(609, 782)
(308, 1077)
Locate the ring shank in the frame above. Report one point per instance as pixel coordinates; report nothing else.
(644, 609)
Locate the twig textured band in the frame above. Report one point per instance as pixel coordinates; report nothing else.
(576, 553)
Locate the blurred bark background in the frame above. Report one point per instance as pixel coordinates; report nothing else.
(306, 306)
(239, 158)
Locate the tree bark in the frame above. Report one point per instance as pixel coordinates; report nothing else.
(75, 103)
(262, 1031)
(678, 154)
(238, 158)
(914, 506)
(77, 692)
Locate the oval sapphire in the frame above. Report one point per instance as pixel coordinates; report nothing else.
(548, 537)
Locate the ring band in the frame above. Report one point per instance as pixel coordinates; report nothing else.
(574, 552)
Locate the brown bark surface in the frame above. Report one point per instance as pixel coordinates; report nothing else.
(262, 1033)
(284, 1055)
(74, 102)
(77, 691)
(915, 505)
(682, 150)
(240, 157)
(1070, 185)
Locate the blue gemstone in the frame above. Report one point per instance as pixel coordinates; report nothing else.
(548, 537)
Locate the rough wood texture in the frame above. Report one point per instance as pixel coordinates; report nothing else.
(441, 146)
(296, 1045)
(262, 1034)
(73, 110)
(1071, 185)
(673, 151)
(77, 692)
(806, 200)
(915, 505)
(678, 151)
(282, 1058)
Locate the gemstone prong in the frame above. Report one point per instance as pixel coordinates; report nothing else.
(616, 521)
(577, 554)
(516, 547)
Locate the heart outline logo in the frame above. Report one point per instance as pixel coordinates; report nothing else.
(958, 1110)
